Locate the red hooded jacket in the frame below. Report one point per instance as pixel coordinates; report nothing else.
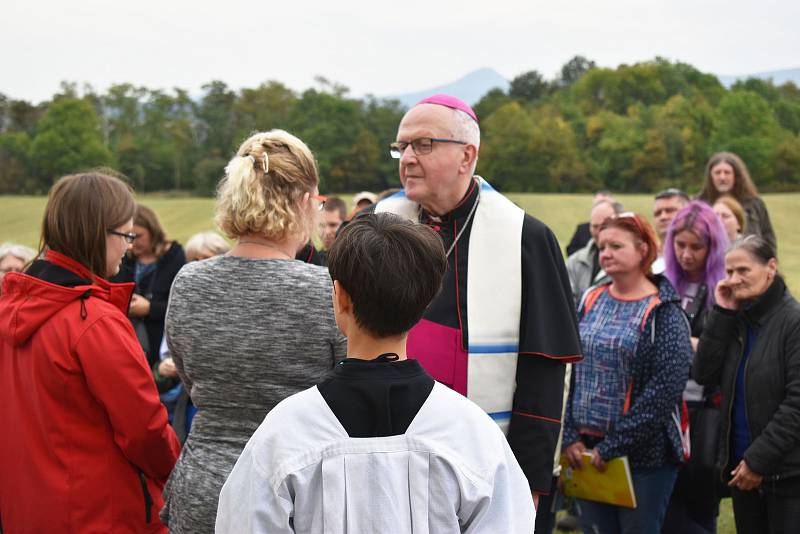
(86, 445)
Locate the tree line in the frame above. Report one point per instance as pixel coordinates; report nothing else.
(635, 128)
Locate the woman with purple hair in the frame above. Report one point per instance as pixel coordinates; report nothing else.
(694, 255)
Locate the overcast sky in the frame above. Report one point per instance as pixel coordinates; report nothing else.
(372, 46)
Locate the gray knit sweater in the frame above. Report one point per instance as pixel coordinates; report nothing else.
(245, 334)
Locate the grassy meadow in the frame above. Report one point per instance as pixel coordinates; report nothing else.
(20, 219)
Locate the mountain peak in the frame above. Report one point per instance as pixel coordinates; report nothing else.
(778, 77)
(470, 88)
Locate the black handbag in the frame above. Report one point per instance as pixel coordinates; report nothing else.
(704, 433)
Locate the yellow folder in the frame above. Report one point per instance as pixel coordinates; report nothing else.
(612, 486)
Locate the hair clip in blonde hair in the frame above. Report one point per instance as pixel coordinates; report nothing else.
(266, 162)
(240, 167)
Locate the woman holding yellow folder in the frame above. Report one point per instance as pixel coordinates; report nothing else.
(625, 395)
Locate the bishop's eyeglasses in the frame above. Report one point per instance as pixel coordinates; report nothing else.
(420, 146)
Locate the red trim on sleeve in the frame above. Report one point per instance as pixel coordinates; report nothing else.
(532, 416)
(627, 406)
(574, 358)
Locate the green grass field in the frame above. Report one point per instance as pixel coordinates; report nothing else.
(20, 219)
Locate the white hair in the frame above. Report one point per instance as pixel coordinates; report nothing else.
(465, 128)
(209, 242)
(21, 252)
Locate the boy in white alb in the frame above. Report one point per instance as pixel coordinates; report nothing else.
(379, 446)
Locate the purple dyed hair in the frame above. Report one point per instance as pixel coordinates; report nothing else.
(700, 219)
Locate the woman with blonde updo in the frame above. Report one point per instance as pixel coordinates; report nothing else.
(249, 328)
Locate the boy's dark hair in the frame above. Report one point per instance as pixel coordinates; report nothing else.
(392, 269)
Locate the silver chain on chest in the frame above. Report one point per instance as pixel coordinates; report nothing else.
(466, 222)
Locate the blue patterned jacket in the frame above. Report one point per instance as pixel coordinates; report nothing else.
(649, 431)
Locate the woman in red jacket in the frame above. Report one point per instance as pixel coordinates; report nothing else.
(86, 446)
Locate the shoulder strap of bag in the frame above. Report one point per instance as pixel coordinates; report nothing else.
(589, 298)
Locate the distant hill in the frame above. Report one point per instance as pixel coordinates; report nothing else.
(469, 88)
(779, 77)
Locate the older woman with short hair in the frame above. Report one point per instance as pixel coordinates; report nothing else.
(252, 327)
(205, 245)
(750, 347)
(13, 258)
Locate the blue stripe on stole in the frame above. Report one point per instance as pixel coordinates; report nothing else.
(500, 416)
(493, 349)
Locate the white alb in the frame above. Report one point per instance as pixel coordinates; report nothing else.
(451, 472)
